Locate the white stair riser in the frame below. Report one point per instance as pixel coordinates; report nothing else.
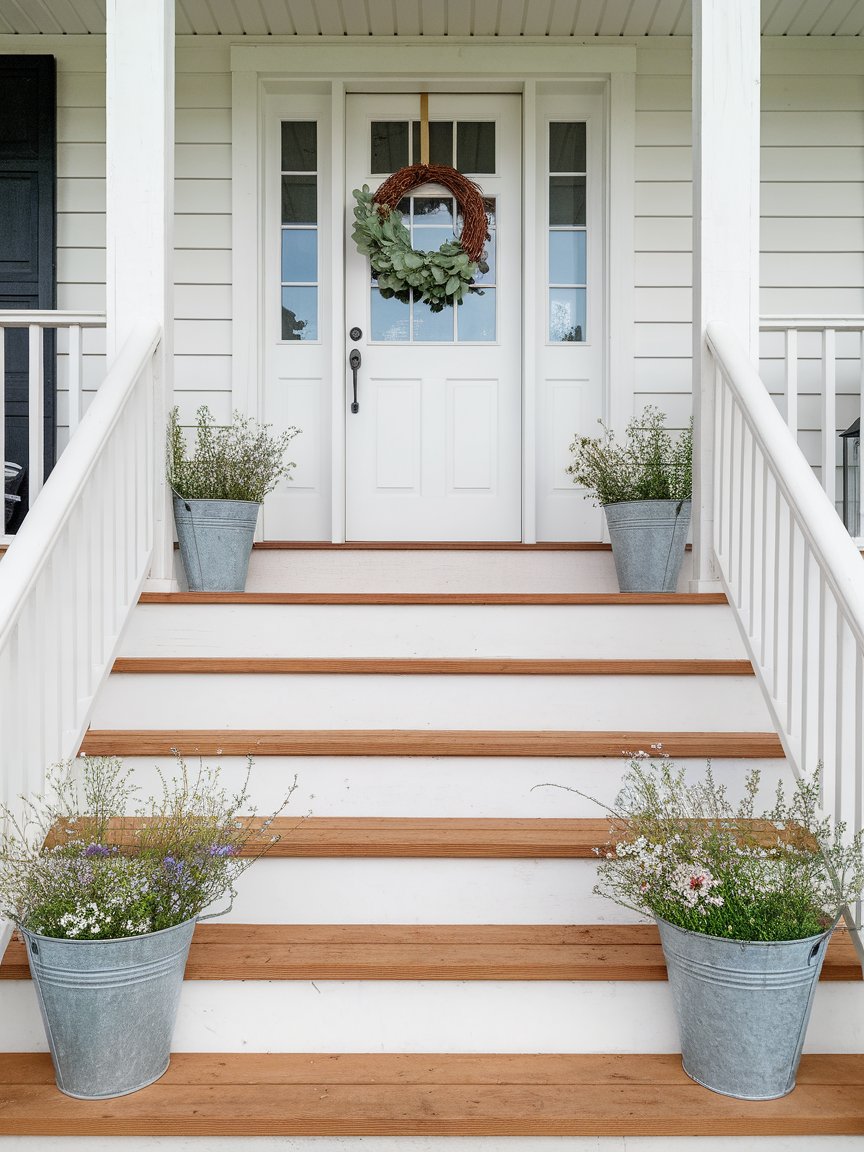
(431, 570)
(388, 890)
(634, 703)
(493, 631)
(457, 786)
(432, 1144)
(435, 1016)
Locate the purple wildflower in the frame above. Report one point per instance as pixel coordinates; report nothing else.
(97, 850)
(221, 850)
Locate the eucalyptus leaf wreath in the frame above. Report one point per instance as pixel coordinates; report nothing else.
(438, 278)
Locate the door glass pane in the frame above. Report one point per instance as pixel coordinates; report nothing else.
(567, 315)
(567, 147)
(440, 142)
(299, 200)
(475, 146)
(299, 145)
(389, 145)
(429, 325)
(567, 200)
(475, 317)
(299, 313)
(299, 255)
(567, 252)
(430, 239)
(391, 319)
(432, 210)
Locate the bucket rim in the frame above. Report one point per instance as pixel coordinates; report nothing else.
(107, 939)
(750, 943)
(628, 503)
(212, 500)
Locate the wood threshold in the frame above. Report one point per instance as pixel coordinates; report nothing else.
(353, 666)
(431, 546)
(430, 1094)
(618, 599)
(530, 952)
(422, 742)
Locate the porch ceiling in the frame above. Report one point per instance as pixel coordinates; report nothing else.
(557, 18)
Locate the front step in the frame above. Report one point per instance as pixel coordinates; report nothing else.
(431, 1095)
(589, 952)
(401, 568)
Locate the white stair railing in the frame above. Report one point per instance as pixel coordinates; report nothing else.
(795, 580)
(36, 323)
(836, 344)
(75, 569)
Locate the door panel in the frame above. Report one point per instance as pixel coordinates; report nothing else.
(27, 236)
(434, 452)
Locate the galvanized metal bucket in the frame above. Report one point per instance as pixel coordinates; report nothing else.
(743, 1008)
(215, 542)
(648, 539)
(109, 1007)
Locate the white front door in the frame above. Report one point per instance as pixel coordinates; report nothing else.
(434, 452)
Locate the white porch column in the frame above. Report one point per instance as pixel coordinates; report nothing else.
(140, 208)
(726, 106)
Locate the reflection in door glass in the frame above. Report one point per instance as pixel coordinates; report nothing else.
(432, 326)
(476, 317)
(391, 320)
(299, 313)
(567, 315)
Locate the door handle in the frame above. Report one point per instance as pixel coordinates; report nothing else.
(354, 361)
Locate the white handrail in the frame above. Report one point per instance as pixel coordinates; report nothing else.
(37, 321)
(75, 569)
(795, 580)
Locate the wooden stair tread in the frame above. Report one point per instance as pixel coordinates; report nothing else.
(424, 742)
(433, 952)
(412, 837)
(417, 666)
(441, 598)
(307, 1094)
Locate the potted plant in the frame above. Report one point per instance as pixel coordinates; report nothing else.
(745, 905)
(218, 492)
(107, 906)
(644, 487)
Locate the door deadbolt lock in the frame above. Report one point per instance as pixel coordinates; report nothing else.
(355, 334)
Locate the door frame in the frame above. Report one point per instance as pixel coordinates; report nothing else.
(334, 68)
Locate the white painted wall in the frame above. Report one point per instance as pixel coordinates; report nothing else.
(812, 230)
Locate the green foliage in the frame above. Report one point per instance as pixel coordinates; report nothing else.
(438, 278)
(685, 853)
(72, 868)
(650, 465)
(244, 461)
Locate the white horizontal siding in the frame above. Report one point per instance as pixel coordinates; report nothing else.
(812, 220)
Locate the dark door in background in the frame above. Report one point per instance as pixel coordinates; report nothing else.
(28, 101)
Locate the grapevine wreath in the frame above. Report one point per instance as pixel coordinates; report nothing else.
(438, 278)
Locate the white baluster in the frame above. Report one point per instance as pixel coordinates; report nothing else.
(36, 414)
(791, 377)
(76, 377)
(829, 413)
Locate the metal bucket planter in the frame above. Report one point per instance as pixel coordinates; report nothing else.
(215, 542)
(743, 1008)
(109, 1007)
(648, 539)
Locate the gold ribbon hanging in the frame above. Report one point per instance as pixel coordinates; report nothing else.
(424, 127)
